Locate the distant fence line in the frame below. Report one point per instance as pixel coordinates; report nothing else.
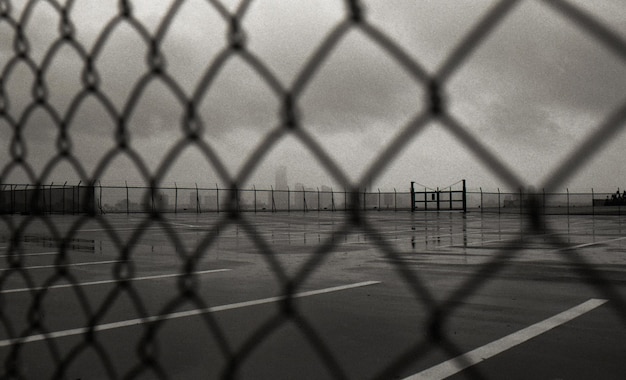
(95, 198)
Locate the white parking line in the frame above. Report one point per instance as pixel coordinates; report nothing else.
(33, 254)
(590, 244)
(110, 281)
(182, 314)
(65, 265)
(455, 365)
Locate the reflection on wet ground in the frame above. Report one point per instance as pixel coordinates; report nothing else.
(429, 237)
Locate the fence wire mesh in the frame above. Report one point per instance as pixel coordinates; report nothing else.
(15, 20)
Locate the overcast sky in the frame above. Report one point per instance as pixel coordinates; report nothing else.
(531, 92)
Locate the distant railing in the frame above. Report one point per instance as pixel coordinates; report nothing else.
(96, 198)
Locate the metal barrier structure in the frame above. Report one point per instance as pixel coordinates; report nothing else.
(16, 22)
(439, 199)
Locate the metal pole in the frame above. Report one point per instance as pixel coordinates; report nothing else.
(412, 196)
(499, 201)
(464, 198)
(482, 205)
(78, 195)
(63, 199)
(127, 200)
(593, 206)
(318, 199)
(198, 210)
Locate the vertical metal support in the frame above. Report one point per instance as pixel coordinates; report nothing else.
(175, 198)
(425, 200)
(464, 198)
(100, 206)
(499, 204)
(63, 199)
(482, 205)
(127, 200)
(288, 200)
(395, 200)
(450, 196)
(26, 198)
(50, 197)
(567, 201)
(593, 206)
(318, 199)
(364, 198)
(198, 210)
(12, 194)
(254, 189)
(78, 195)
(379, 199)
(237, 198)
(412, 196)
(273, 205)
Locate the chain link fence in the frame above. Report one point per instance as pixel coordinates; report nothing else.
(15, 19)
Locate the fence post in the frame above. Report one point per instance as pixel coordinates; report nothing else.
(482, 206)
(175, 198)
(42, 189)
(412, 196)
(50, 198)
(73, 200)
(26, 198)
(12, 194)
(254, 189)
(127, 200)
(395, 200)
(318, 199)
(499, 201)
(78, 195)
(63, 199)
(593, 206)
(364, 198)
(464, 198)
(567, 201)
(100, 206)
(217, 198)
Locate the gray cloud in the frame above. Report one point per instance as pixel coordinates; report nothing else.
(532, 90)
